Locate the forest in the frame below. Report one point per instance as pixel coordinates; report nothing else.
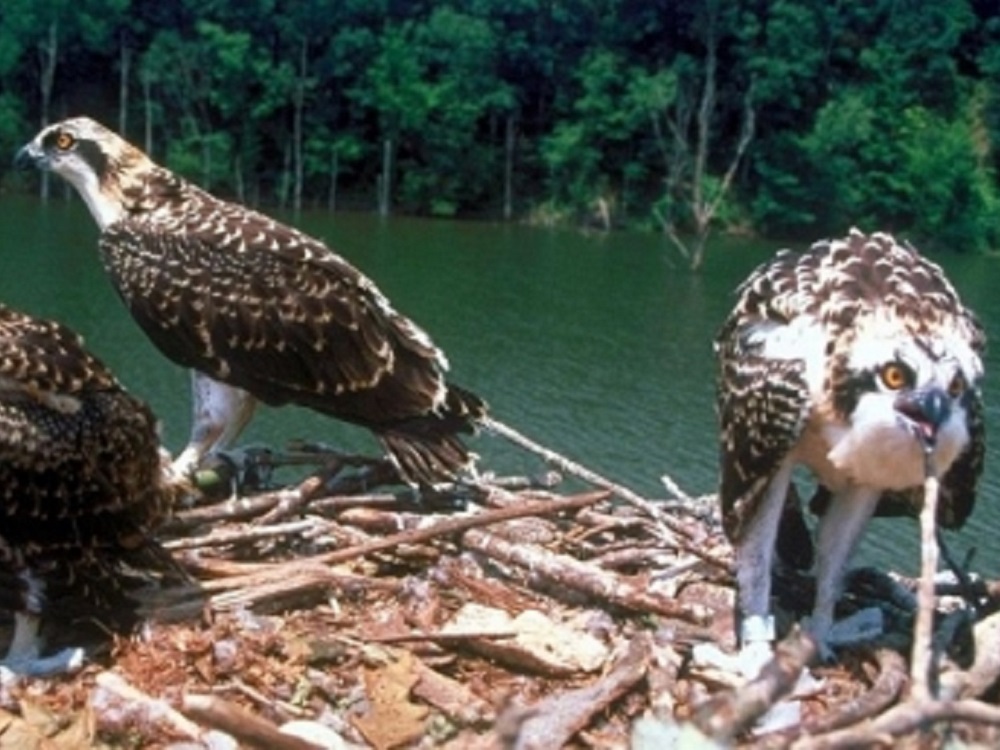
(785, 118)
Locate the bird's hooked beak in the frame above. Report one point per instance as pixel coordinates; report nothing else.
(29, 156)
(925, 410)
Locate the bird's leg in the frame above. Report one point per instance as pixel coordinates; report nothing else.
(23, 655)
(219, 414)
(754, 562)
(754, 559)
(839, 530)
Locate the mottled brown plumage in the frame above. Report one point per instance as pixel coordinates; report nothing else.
(259, 305)
(80, 479)
(852, 359)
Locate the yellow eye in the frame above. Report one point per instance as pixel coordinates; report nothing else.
(957, 386)
(894, 376)
(65, 141)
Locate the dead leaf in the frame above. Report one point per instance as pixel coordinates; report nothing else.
(392, 719)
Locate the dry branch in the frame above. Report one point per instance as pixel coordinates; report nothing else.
(157, 708)
(581, 472)
(248, 728)
(552, 722)
(733, 712)
(922, 660)
(889, 684)
(222, 537)
(907, 717)
(444, 529)
(563, 571)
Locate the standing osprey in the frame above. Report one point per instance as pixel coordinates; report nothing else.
(258, 310)
(857, 360)
(80, 479)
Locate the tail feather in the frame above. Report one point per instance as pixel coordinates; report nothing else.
(427, 449)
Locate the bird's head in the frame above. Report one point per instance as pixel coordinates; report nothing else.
(101, 165)
(906, 396)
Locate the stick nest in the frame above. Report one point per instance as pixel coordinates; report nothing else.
(512, 613)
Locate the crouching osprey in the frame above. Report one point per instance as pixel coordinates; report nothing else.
(258, 310)
(857, 360)
(81, 486)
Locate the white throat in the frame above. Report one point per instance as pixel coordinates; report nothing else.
(105, 210)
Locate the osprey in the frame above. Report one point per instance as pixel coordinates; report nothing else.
(81, 486)
(857, 360)
(258, 310)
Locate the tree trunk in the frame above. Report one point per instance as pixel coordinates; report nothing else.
(331, 202)
(49, 55)
(147, 106)
(206, 163)
(299, 104)
(283, 184)
(702, 207)
(508, 168)
(124, 71)
(238, 178)
(384, 186)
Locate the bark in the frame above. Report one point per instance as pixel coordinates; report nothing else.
(508, 169)
(147, 106)
(124, 72)
(48, 51)
(689, 155)
(299, 106)
(384, 185)
(331, 203)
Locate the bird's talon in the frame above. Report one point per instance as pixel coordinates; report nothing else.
(67, 661)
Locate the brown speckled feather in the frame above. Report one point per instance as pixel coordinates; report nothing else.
(258, 305)
(261, 306)
(763, 403)
(80, 476)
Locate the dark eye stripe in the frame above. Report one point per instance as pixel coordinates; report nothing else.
(51, 139)
(91, 153)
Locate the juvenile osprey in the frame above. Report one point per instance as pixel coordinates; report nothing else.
(857, 360)
(258, 310)
(80, 480)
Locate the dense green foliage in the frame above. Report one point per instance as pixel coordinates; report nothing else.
(880, 114)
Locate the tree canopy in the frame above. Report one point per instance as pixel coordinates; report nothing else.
(785, 117)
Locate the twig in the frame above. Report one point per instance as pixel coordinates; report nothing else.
(157, 708)
(223, 537)
(273, 705)
(246, 727)
(553, 721)
(886, 690)
(730, 713)
(581, 472)
(291, 502)
(922, 659)
(436, 637)
(282, 571)
(909, 716)
(453, 526)
(238, 509)
(568, 572)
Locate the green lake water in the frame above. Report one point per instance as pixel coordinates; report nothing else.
(598, 346)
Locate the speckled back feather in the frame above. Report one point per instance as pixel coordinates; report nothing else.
(260, 305)
(80, 475)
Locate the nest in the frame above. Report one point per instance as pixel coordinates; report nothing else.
(515, 612)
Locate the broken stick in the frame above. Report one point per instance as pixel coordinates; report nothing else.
(592, 477)
(564, 572)
(922, 660)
